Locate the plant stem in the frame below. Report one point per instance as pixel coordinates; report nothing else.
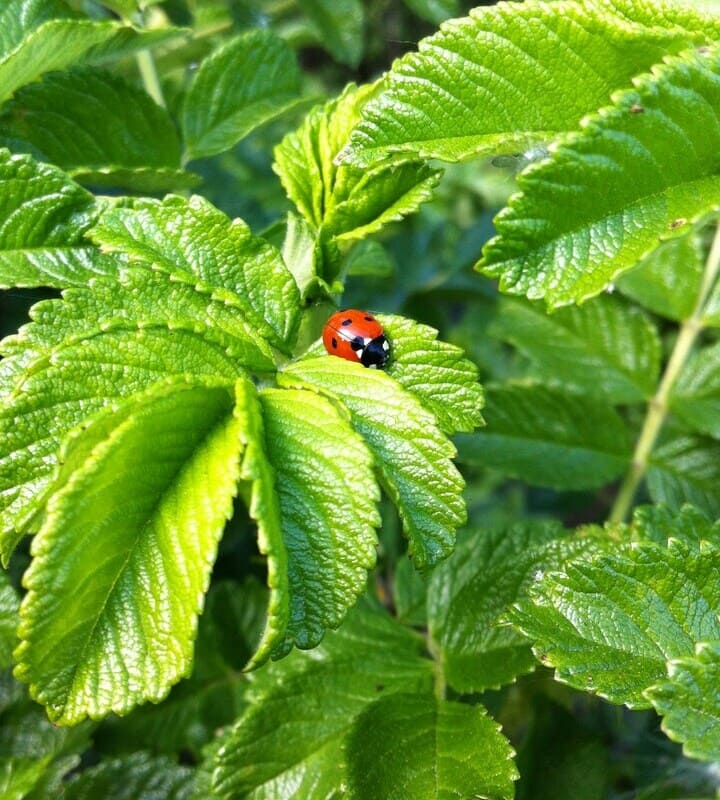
(658, 405)
(440, 686)
(149, 76)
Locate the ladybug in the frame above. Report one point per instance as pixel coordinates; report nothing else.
(356, 336)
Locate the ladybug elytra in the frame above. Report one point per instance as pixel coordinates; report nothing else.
(356, 336)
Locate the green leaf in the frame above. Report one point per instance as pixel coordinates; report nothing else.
(436, 372)
(414, 745)
(365, 204)
(19, 17)
(90, 351)
(289, 742)
(688, 701)
(659, 524)
(345, 203)
(686, 469)
(668, 280)
(213, 695)
(56, 44)
(695, 397)
(34, 754)
(248, 81)
(610, 625)
(339, 24)
(124, 556)
(99, 128)
(410, 589)
(435, 11)
(43, 216)
(547, 437)
(605, 348)
(193, 241)
(138, 775)
(326, 492)
(609, 193)
(369, 257)
(471, 591)
(411, 454)
(300, 253)
(513, 75)
(9, 606)
(264, 506)
(138, 299)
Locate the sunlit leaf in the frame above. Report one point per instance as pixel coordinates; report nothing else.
(610, 625)
(607, 194)
(411, 454)
(509, 76)
(124, 556)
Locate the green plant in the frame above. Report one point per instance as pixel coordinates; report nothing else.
(174, 405)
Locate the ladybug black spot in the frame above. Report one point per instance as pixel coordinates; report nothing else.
(346, 322)
(334, 342)
(357, 343)
(369, 318)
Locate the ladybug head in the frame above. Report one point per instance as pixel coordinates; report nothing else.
(376, 353)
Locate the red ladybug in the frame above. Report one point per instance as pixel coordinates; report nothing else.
(356, 336)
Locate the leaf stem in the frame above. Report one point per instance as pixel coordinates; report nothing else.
(146, 63)
(148, 73)
(440, 686)
(658, 405)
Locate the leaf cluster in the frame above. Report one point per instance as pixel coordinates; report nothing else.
(201, 509)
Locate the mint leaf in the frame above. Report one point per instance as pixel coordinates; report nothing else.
(668, 280)
(61, 42)
(42, 220)
(686, 469)
(246, 82)
(436, 372)
(610, 625)
(688, 701)
(605, 348)
(193, 241)
(411, 454)
(113, 597)
(304, 706)
(414, 745)
(565, 236)
(471, 591)
(548, 437)
(326, 493)
(695, 397)
(135, 775)
(509, 76)
(99, 128)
